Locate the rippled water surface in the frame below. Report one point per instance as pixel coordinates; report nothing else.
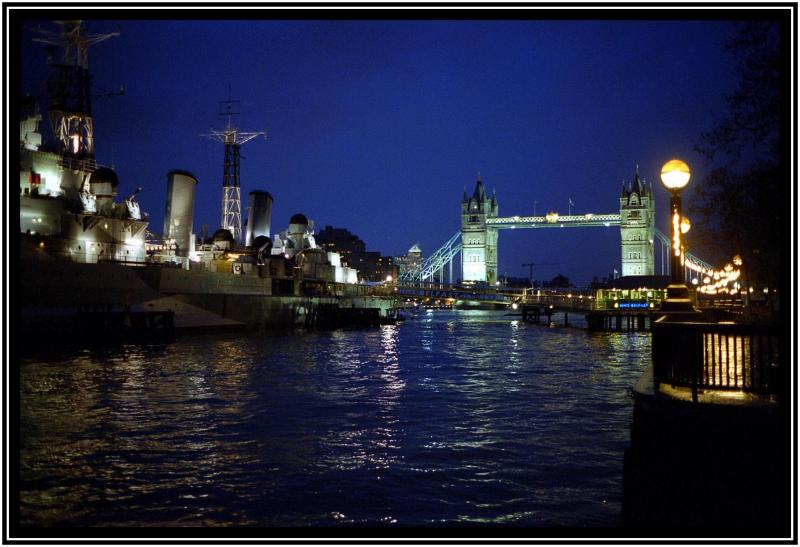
(456, 417)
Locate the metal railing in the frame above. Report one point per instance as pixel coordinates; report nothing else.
(575, 299)
(77, 164)
(717, 356)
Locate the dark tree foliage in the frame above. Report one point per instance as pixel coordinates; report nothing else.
(740, 201)
(560, 281)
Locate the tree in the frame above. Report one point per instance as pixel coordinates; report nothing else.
(560, 281)
(740, 202)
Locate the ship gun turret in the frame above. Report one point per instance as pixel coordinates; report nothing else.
(133, 207)
(133, 194)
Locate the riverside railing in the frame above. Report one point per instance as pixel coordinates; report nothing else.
(717, 356)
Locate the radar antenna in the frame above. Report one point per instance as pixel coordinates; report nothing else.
(232, 138)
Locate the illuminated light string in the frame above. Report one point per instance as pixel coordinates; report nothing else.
(675, 175)
(723, 281)
(676, 237)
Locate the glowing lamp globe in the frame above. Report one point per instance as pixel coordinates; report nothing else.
(685, 225)
(675, 175)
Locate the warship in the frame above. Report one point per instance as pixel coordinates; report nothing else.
(90, 267)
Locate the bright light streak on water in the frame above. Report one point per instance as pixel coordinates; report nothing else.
(465, 417)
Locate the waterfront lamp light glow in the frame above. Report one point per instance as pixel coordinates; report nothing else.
(675, 175)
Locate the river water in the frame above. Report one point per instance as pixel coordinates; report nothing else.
(450, 418)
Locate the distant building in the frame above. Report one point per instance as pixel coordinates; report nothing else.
(371, 266)
(409, 261)
(341, 241)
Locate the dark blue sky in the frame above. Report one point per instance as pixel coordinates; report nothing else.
(378, 126)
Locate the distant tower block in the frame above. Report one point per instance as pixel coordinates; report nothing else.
(259, 207)
(180, 210)
(637, 218)
(232, 138)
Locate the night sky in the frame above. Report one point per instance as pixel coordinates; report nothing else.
(378, 127)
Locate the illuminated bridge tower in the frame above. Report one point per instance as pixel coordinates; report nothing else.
(637, 217)
(478, 242)
(232, 138)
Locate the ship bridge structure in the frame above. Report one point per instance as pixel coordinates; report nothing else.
(66, 198)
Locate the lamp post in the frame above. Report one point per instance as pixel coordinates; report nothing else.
(675, 176)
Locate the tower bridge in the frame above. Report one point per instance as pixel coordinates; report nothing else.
(477, 240)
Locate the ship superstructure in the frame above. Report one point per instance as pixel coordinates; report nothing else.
(67, 206)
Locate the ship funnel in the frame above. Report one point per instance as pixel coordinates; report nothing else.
(180, 210)
(259, 207)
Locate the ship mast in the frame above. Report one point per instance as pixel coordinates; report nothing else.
(68, 86)
(232, 138)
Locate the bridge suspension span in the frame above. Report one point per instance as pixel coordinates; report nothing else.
(443, 258)
(476, 242)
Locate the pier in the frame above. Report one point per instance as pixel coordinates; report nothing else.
(621, 310)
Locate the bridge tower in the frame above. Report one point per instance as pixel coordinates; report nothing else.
(637, 219)
(478, 242)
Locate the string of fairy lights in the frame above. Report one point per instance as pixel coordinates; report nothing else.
(721, 281)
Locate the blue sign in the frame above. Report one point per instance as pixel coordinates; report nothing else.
(634, 305)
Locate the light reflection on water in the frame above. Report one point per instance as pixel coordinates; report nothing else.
(454, 417)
